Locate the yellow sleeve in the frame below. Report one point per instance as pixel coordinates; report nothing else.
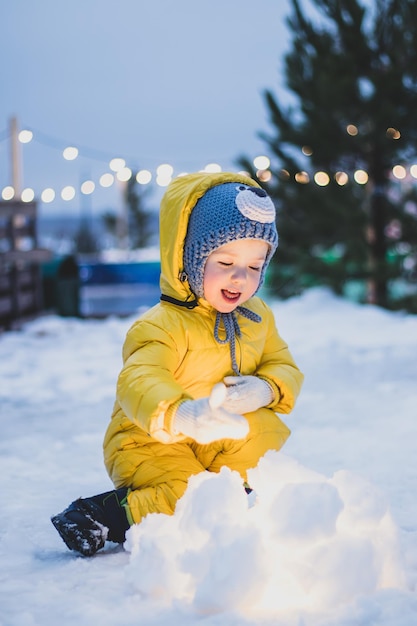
(278, 367)
(146, 386)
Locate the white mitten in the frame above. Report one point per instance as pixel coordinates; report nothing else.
(246, 393)
(205, 421)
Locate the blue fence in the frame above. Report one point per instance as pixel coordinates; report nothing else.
(118, 288)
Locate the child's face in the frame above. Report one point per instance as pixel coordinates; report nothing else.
(232, 273)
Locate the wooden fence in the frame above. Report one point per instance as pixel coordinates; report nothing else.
(20, 259)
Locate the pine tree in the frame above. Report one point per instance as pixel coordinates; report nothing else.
(138, 217)
(134, 228)
(352, 75)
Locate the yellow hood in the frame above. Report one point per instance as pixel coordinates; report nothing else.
(176, 206)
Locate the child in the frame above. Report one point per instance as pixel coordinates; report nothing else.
(203, 375)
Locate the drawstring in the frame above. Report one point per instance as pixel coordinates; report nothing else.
(232, 330)
(230, 323)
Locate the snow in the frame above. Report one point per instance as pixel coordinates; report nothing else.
(327, 537)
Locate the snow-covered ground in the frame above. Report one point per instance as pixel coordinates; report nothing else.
(331, 538)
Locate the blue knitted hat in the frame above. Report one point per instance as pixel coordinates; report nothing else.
(227, 212)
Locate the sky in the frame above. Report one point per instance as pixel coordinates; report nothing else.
(328, 536)
(162, 82)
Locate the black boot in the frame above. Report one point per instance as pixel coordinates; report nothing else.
(88, 522)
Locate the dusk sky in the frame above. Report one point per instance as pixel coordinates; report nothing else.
(158, 82)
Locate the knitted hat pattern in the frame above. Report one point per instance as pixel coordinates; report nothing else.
(225, 213)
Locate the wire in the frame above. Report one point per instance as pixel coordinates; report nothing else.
(60, 144)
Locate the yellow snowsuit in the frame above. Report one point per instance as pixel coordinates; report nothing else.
(170, 355)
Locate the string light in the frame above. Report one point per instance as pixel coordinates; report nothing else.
(261, 163)
(25, 136)
(393, 133)
(301, 177)
(87, 187)
(163, 181)
(124, 174)
(164, 174)
(70, 153)
(106, 180)
(143, 177)
(165, 171)
(117, 164)
(322, 179)
(7, 193)
(341, 178)
(27, 195)
(264, 175)
(361, 177)
(352, 130)
(48, 195)
(399, 172)
(68, 193)
(213, 168)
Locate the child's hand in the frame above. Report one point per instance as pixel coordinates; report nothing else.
(246, 393)
(205, 421)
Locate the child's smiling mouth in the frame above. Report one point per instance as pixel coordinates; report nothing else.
(231, 295)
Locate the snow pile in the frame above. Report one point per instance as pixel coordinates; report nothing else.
(305, 543)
